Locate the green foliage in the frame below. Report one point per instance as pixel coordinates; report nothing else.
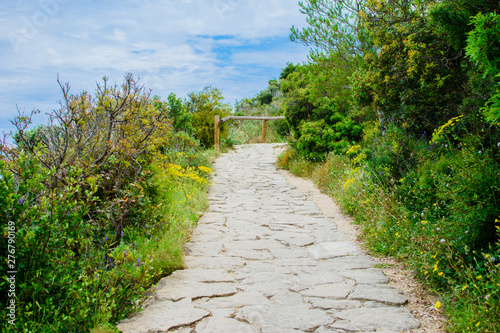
(182, 120)
(315, 91)
(319, 138)
(99, 212)
(483, 47)
(422, 179)
(334, 27)
(204, 106)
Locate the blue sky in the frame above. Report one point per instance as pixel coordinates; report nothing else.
(173, 46)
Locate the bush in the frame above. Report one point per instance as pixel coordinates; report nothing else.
(319, 138)
(99, 212)
(204, 106)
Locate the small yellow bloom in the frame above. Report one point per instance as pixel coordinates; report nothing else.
(440, 273)
(479, 277)
(478, 323)
(437, 305)
(464, 287)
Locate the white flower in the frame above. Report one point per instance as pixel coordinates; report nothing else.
(443, 240)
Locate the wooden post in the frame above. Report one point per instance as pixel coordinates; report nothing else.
(216, 132)
(264, 131)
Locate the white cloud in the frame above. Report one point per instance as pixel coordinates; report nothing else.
(175, 46)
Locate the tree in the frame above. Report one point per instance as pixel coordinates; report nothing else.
(111, 138)
(204, 106)
(335, 27)
(483, 47)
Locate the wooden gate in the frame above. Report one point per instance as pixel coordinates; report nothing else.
(219, 121)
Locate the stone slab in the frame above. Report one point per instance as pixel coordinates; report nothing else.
(223, 325)
(193, 290)
(326, 250)
(381, 293)
(387, 318)
(163, 316)
(278, 317)
(329, 290)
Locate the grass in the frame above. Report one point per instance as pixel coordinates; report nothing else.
(250, 131)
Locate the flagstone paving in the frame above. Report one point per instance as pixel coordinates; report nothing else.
(265, 259)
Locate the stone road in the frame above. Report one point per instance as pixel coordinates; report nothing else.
(265, 259)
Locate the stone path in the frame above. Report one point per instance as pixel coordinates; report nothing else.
(264, 259)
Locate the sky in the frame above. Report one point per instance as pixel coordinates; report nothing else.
(176, 46)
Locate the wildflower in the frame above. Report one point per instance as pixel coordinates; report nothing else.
(205, 169)
(349, 182)
(487, 297)
(478, 323)
(21, 201)
(138, 262)
(125, 254)
(442, 240)
(479, 277)
(135, 245)
(424, 221)
(464, 287)
(106, 239)
(440, 273)
(437, 305)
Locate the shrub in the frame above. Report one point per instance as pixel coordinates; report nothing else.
(204, 106)
(318, 138)
(99, 212)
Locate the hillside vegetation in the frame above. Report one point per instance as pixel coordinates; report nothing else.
(96, 205)
(397, 116)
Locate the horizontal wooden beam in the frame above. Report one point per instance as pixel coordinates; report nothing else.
(250, 118)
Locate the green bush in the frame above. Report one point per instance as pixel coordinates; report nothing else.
(99, 212)
(204, 106)
(318, 138)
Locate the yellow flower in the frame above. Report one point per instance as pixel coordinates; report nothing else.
(440, 273)
(437, 305)
(479, 277)
(349, 182)
(352, 149)
(205, 169)
(464, 287)
(478, 323)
